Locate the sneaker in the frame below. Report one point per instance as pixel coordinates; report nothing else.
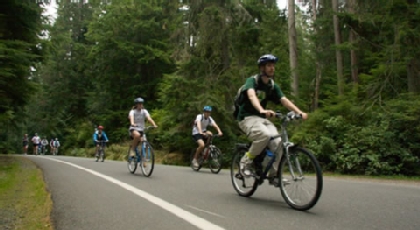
(245, 165)
(195, 163)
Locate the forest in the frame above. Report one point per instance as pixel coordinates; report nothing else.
(353, 65)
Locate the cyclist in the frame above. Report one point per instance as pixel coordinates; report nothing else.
(44, 143)
(200, 132)
(99, 136)
(52, 145)
(56, 144)
(252, 116)
(36, 141)
(25, 144)
(137, 117)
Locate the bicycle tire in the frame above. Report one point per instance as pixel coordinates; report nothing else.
(103, 155)
(199, 160)
(219, 159)
(151, 159)
(131, 169)
(235, 161)
(318, 176)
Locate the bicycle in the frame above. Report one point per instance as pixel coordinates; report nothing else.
(289, 170)
(101, 151)
(210, 150)
(147, 156)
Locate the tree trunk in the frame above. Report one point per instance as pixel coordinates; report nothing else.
(353, 52)
(338, 54)
(318, 71)
(413, 75)
(293, 47)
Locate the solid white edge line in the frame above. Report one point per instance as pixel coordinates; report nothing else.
(202, 210)
(177, 211)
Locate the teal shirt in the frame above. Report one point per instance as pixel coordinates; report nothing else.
(247, 109)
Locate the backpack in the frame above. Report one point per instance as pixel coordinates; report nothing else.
(238, 99)
(193, 122)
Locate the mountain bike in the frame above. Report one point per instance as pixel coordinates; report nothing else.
(101, 151)
(297, 168)
(145, 158)
(210, 154)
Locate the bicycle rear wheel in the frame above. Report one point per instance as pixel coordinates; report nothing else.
(307, 179)
(147, 162)
(131, 162)
(216, 160)
(244, 186)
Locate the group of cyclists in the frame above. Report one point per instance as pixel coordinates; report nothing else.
(40, 145)
(252, 119)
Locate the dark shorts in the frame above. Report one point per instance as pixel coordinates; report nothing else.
(24, 144)
(197, 137)
(131, 133)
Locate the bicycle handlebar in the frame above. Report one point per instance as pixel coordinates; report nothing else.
(288, 116)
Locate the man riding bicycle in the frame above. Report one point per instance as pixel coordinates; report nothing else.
(200, 132)
(252, 115)
(99, 136)
(137, 117)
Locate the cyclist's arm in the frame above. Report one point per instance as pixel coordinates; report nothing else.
(198, 122)
(216, 126)
(95, 137)
(149, 118)
(254, 100)
(106, 138)
(292, 107)
(131, 119)
(289, 105)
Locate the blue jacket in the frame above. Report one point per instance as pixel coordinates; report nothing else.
(96, 136)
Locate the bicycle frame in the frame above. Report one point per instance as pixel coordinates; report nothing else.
(143, 144)
(209, 146)
(286, 145)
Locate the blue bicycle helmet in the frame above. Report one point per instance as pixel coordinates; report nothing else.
(138, 100)
(207, 108)
(267, 58)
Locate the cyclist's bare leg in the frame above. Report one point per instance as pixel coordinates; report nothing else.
(97, 148)
(136, 139)
(199, 148)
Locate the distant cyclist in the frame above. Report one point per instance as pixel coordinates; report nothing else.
(137, 117)
(36, 141)
(25, 144)
(56, 145)
(99, 136)
(200, 132)
(44, 144)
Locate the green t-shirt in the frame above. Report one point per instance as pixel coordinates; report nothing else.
(246, 108)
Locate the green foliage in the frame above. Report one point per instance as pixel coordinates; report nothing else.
(351, 139)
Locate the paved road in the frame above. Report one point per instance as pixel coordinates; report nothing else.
(91, 195)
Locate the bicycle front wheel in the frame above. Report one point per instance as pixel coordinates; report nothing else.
(102, 155)
(301, 179)
(215, 162)
(244, 186)
(131, 162)
(147, 162)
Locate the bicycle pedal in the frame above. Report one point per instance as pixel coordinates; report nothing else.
(239, 176)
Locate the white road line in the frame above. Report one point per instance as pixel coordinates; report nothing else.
(177, 211)
(201, 210)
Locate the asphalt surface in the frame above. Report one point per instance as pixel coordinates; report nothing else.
(94, 195)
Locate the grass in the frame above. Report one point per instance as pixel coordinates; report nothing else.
(24, 201)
